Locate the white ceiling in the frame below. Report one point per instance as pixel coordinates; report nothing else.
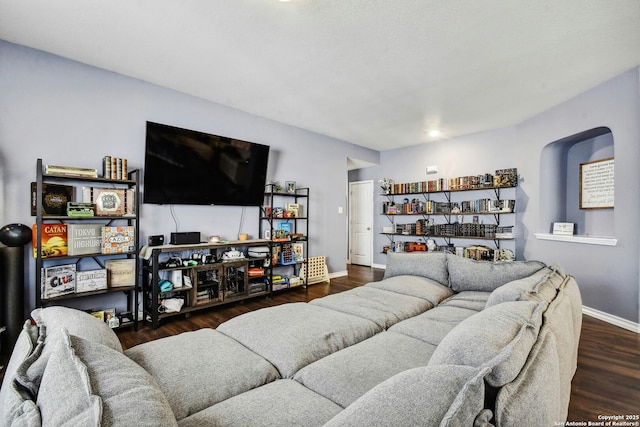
(377, 73)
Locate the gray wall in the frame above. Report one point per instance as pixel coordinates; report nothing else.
(470, 155)
(608, 276)
(69, 113)
(72, 114)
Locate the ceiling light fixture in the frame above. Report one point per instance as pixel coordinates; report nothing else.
(435, 133)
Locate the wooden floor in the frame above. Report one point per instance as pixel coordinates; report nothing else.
(607, 381)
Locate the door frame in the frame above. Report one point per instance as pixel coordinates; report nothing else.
(349, 219)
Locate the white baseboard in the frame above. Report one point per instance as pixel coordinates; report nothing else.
(610, 318)
(338, 274)
(382, 266)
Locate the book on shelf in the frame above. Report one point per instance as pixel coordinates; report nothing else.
(53, 240)
(506, 177)
(114, 168)
(54, 198)
(84, 239)
(504, 232)
(298, 251)
(91, 280)
(501, 178)
(58, 280)
(71, 171)
(120, 272)
(118, 239)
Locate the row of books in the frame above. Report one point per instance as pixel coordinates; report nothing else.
(103, 201)
(501, 178)
(81, 239)
(65, 279)
(478, 253)
(430, 207)
(488, 205)
(114, 168)
(420, 228)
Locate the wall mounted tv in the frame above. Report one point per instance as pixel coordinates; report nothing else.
(183, 166)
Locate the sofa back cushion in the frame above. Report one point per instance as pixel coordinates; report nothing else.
(470, 275)
(100, 386)
(78, 323)
(432, 265)
(499, 337)
(65, 393)
(541, 286)
(534, 398)
(443, 395)
(17, 406)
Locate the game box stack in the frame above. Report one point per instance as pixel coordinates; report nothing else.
(118, 239)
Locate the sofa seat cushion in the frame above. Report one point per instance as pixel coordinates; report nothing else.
(432, 326)
(283, 403)
(381, 307)
(471, 300)
(86, 383)
(198, 369)
(348, 374)
(470, 275)
(415, 286)
(291, 336)
(541, 286)
(78, 323)
(443, 396)
(499, 337)
(432, 265)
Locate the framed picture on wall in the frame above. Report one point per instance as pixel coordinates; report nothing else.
(597, 184)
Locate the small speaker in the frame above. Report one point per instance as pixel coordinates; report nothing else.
(156, 240)
(185, 238)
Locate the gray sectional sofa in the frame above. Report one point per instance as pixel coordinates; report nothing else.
(441, 340)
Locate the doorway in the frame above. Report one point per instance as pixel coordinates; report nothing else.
(361, 222)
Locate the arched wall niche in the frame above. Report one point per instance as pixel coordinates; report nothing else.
(560, 182)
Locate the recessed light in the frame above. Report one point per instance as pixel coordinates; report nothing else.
(435, 133)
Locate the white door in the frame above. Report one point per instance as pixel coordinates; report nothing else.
(361, 222)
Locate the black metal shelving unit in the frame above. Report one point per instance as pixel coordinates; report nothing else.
(97, 259)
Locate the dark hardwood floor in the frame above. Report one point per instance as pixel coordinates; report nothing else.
(607, 381)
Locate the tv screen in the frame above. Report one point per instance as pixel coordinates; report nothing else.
(188, 167)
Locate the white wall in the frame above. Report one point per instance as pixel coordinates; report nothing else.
(71, 114)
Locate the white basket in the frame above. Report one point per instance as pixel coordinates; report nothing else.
(318, 271)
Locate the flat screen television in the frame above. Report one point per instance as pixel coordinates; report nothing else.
(183, 166)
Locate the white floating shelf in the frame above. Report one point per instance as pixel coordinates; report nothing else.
(587, 240)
